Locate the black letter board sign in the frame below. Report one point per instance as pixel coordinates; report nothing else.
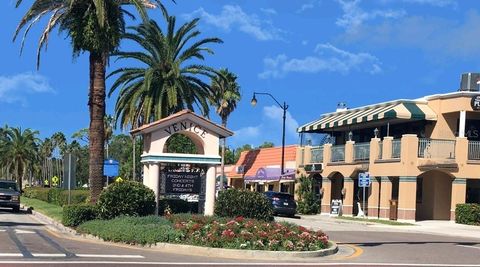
(182, 182)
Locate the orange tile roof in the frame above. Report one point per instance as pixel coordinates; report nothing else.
(258, 158)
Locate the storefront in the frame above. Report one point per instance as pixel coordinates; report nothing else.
(423, 155)
(260, 170)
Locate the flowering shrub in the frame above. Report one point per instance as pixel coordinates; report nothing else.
(241, 233)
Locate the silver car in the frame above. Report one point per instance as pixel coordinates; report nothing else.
(9, 195)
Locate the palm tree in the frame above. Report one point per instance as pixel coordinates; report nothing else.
(20, 151)
(167, 81)
(225, 96)
(96, 27)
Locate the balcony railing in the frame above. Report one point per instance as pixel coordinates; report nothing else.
(436, 148)
(338, 153)
(361, 151)
(396, 148)
(474, 150)
(316, 154)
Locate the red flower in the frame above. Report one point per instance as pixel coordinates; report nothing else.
(228, 233)
(239, 219)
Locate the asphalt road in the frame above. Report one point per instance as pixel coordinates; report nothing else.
(24, 241)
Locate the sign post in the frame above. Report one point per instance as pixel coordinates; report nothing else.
(364, 181)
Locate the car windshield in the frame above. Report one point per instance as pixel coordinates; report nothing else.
(8, 186)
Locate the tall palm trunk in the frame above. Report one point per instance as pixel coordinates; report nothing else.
(96, 103)
(224, 142)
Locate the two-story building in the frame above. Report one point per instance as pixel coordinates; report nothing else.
(422, 155)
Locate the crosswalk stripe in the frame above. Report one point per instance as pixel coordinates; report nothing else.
(49, 255)
(18, 231)
(2, 230)
(109, 256)
(11, 255)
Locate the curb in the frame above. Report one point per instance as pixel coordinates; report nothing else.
(196, 250)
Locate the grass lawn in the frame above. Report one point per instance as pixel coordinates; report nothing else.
(373, 220)
(50, 210)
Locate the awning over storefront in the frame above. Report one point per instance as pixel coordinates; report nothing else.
(401, 109)
(267, 174)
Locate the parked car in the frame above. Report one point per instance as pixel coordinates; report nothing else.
(9, 195)
(282, 203)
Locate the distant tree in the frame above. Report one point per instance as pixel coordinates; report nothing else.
(179, 143)
(81, 135)
(121, 148)
(239, 151)
(225, 96)
(19, 150)
(266, 144)
(229, 156)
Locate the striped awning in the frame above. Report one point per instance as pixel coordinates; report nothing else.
(407, 110)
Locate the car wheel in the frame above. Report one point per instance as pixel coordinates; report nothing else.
(16, 209)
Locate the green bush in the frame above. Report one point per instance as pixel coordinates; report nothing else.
(39, 193)
(74, 215)
(307, 201)
(234, 203)
(126, 198)
(467, 214)
(175, 205)
(56, 196)
(133, 230)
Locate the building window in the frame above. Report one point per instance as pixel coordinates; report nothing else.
(270, 187)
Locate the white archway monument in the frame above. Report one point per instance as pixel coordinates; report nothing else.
(206, 137)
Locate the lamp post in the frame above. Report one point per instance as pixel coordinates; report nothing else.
(284, 107)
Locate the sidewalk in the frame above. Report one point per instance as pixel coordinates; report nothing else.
(444, 228)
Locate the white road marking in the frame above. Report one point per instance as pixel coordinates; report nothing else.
(2, 230)
(11, 255)
(110, 256)
(18, 231)
(465, 246)
(238, 264)
(49, 255)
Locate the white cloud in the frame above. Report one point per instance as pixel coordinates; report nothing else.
(269, 11)
(232, 16)
(269, 129)
(438, 3)
(354, 16)
(14, 88)
(326, 58)
(437, 37)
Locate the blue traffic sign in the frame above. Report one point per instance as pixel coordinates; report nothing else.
(364, 179)
(110, 168)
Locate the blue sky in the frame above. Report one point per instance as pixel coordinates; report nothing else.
(311, 54)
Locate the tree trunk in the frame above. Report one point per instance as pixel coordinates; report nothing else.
(96, 103)
(224, 141)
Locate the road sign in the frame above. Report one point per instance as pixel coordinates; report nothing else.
(364, 179)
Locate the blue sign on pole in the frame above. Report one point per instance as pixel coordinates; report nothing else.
(110, 168)
(364, 179)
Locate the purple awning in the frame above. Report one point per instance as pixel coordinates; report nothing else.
(270, 175)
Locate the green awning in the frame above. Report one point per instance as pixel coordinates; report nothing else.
(407, 110)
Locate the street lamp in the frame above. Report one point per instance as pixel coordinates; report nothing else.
(284, 107)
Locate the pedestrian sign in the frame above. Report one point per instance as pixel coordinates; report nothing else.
(364, 179)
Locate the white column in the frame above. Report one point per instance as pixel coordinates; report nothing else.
(153, 175)
(463, 119)
(146, 178)
(210, 191)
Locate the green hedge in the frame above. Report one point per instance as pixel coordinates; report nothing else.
(467, 214)
(233, 203)
(74, 215)
(133, 230)
(57, 196)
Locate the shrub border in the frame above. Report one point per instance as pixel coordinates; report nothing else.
(198, 250)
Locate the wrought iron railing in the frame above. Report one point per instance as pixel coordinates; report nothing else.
(316, 154)
(474, 150)
(436, 148)
(396, 148)
(338, 153)
(361, 151)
